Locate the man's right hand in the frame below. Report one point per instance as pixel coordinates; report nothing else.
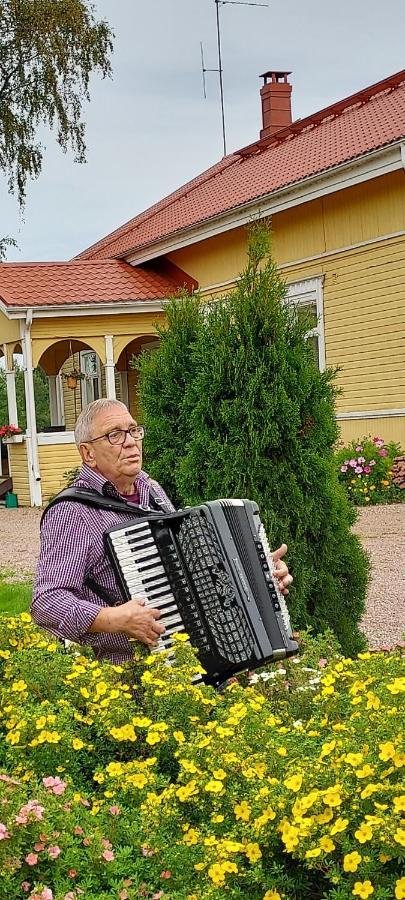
(133, 619)
(139, 621)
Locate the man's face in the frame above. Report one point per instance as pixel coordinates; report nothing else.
(119, 462)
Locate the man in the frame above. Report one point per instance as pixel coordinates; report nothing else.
(73, 569)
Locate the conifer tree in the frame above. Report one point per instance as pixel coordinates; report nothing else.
(236, 406)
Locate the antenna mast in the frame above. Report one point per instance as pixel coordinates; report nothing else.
(220, 70)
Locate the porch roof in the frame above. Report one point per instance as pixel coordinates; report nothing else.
(56, 284)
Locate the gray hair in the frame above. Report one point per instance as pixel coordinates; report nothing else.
(84, 424)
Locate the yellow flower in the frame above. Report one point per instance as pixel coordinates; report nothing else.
(179, 737)
(339, 825)
(373, 702)
(365, 771)
(19, 686)
(326, 844)
(115, 768)
(282, 751)
(219, 773)
(399, 803)
(387, 751)
(397, 686)
(293, 783)
(253, 852)
(242, 811)
(400, 889)
(77, 744)
(84, 692)
(364, 833)
(152, 738)
(214, 787)
(351, 861)
(191, 837)
(354, 759)
(217, 818)
(369, 790)
(311, 854)
(216, 874)
(186, 791)
(25, 617)
(332, 796)
(272, 895)
(13, 737)
(399, 836)
(180, 637)
(363, 889)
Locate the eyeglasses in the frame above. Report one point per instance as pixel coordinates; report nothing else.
(119, 435)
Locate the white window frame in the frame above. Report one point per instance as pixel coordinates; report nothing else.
(84, 384)
(302, 293)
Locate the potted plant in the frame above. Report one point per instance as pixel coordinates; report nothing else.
(10, 431)
(73, 377)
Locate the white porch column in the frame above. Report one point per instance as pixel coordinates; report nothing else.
(10, 385)
(60, 401)
(53, 400)
(34, 473)
(124, 388)
(109, 367)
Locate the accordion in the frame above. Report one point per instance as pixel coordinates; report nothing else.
(209, 571)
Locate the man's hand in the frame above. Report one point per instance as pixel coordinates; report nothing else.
(281, 569)
(133, 619)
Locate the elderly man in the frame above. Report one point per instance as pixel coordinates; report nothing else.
(74, 575)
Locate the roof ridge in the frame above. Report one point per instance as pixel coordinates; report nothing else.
(162, 204)
(339, 106)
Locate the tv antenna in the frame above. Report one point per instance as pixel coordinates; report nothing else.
(219, 68)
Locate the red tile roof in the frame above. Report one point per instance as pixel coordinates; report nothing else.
(366, 121)
(83, 281)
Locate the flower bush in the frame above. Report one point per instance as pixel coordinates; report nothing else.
(365, 469)
(139, 781)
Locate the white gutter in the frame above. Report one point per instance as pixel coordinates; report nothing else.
(87, 309)
(34, 474)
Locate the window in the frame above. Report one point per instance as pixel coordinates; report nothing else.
(91, 385)
(308, 296)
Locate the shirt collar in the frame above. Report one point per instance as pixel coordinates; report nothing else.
(94, 479)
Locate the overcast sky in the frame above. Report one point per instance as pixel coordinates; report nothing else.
(149, 129)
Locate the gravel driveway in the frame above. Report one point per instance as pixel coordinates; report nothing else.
(381, 529)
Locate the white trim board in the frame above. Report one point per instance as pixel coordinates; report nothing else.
(371, 414)
(56, 437)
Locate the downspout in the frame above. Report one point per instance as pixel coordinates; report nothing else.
(34, 473)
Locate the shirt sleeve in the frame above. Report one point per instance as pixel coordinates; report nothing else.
(64, 561)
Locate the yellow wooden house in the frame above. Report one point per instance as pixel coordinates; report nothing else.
(334, 186)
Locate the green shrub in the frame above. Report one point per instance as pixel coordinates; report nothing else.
(365, 469)
(252, 416)
(127, 782)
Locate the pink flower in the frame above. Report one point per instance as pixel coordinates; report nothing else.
(31, 859)
(86, 842)
(123, 895)
(72, 873)
(372, 462)
(157, 895)
(367, 470)
(46, 894)
(3, 832)
(55, 784)
(114, 810)
(361, 459)
(147, 851)
(322, 663)
(25, 885)
(38, 847)
(78, 829)
(383, 452)
(54, 852)
(70, 896)
(359, 449)
(106, 843)
(343, 468)
(358, 470)
(108, 855)
(378, 442)
(166, 874)
(353, 463)
(4, 777)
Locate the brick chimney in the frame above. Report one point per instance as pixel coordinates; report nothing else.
(276, 102)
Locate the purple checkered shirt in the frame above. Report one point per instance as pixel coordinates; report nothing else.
(72, 550)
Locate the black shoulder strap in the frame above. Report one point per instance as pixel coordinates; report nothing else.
(90, 497)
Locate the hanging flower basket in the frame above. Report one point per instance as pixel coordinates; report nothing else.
(73, 378)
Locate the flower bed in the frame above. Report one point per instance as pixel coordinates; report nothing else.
(365, 468)
(126, 783)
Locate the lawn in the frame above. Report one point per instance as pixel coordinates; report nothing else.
(15, 596)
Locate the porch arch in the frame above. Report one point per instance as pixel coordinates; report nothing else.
(128, 375)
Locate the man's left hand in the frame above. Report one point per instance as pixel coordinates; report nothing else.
(281, 569)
